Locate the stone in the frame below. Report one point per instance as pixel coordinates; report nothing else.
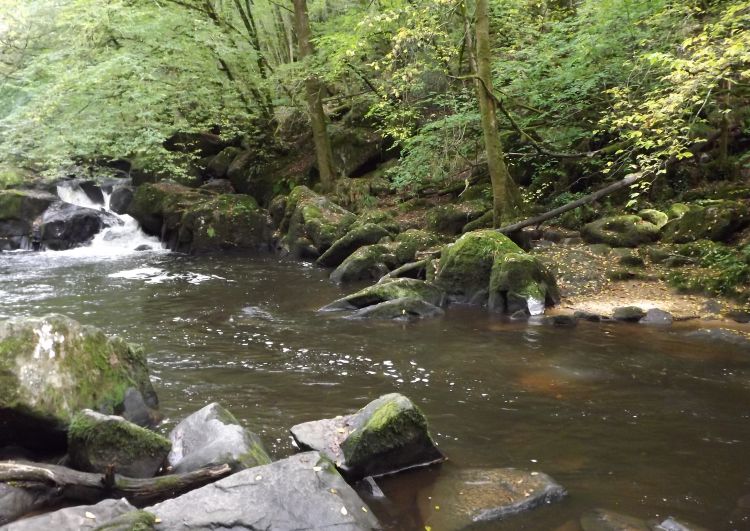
(519, 281)
(220, 186)
(212, 436)
(358, 236)
(654, 216)
(620, 231)
(366, 263)
(120, 200)
(587, 316)
(19, 209)
(629, 314)
(132, 521)
(303, 491)
(219, 165)
(16, 502)
(466, 265)
(451, 218)
(655, 316)
(405, 309)
(96, 441)
(672, 524)
(52, 367)
(74, 518)
(460, 499)
(712, 220)
(388, 435)
(369, 488)
(560, 320)
(676, 210)
(412, 241)
(603, 520)
(203, 144)
(395, 289)
(724, 335)
(64, 225)
(739, 316)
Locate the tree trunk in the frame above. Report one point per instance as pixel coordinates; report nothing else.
(314, 99)
(504, 193)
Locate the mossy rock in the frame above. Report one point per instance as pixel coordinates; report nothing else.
(379, 217)
(657, 217)
(711, 220)
(358, 236)
(466, 265)
(451, 218)
(410, 242)
(485, 221)
(52, 367)
(403, 309)
(366, 263)
(219, 164)
(676, 210)
(620, 231)
(132, 521)
(24, 205)
(97, 441)
(394, 289)
(519, 281)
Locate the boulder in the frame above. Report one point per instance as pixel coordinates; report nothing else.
(712, 220)
(387, 436)
(203, 144)
(721, 335)
(460, 499)
(656, 217)
(313, 218)
(212, 436)
(519, 281)
(366, 263)
(52, 367)
(64, 225)
(120, 200)
(91, 188)
(303, 491)
(620, 231)
(673, 524)
(655, 316)
(358, 236)
(220, 186)
(18, 211)
(630, 314)
(466, 265)
(75, 518)
(356, 150)
(16, 502)
(395, 289)
(603, 520)
(412, 241)
(406, 308)
(451, 219)
(96, 441)
(219, 164)
(132, 521)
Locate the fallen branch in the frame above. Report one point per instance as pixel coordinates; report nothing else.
(71, 485)
(536, 220)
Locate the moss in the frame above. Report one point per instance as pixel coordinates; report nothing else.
(517, 278)
(450, 219)
(256, 456)
(654, 216)
(712, 220)
(396, 289)
(132, 521)
(11, 204)
(620, 231)
(676, 210)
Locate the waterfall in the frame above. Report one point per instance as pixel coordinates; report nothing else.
(124, 238)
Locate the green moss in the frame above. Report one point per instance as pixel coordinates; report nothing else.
(395, 289)
(132, 521)
(11, 204)
(711, 220)
(654, 216)
(256, 456)
(517, 278)
(620, 231)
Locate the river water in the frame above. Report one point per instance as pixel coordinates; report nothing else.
(640, 420)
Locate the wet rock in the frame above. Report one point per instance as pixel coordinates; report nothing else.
(358, 236)
(462, 498)
(52, 367)
(16, 502)
(74, 518)
(739, 316)
(655, 316)
(620, 231)
(712, 220)
(406, 308)
(603, 520)
(466, 265)
(721, 335)
(96, 441)
(120, 200)
(212, 436)
(587, 316)
(520, 315)
(672, 524)
(144, 247)
(631, 314)
(388, 435)
(560, 320)
(519, 281)
(303, 491)
(18, 211)
(366, 263)
(369, 488)
(92, 189)
(395, 289)
(63, 225)
(220, 186)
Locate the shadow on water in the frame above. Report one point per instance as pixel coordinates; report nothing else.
(635, 419)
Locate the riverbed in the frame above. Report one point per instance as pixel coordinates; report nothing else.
(646, 421)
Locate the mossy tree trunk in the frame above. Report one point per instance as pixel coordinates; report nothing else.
(314, 99)
(504, 191)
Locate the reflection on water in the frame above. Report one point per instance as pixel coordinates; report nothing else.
(635, 419)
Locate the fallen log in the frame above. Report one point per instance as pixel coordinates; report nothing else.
(536, 220)
(66, 484)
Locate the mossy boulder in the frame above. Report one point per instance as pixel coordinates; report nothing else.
(710, 220)
(52, 367)
(18, 211)
(366, 263)
(358, 236)
(630, 314)
(219, 164)
(395, 289)
(213, 436)
(466, 265)
(96, 441)
(620, 231)
(313, 218)
(412, 241)
(388, 435)
(485, 221)
(78, 518)
(379, 217)
(521, 282)
(451, 218)
(657, 217)
(132, 521)
(676, 210)
(403, 309)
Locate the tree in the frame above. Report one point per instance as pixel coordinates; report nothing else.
(313, 94)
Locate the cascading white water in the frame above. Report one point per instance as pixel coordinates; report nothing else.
(122, 239)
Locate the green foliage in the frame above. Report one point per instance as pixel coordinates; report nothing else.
(722, 269)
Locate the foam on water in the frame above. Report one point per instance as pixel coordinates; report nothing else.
(154, 275)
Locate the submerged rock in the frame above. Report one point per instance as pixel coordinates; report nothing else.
(395, 289)
(603, 520)
(721, 335)
(405, 308)
(631, 314)
(97, 441)
(52, 367)
(462, 498)
(620, 231)
(75, 518)
(303, 491)
(357, 237)
(212, 436)
(388, 435)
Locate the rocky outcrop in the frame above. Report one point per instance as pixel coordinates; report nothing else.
(212, 436)
(75, 518)
(64, 225)
(388, 435)
(301, 492)
(18, 211)
(620, 231)
(709, 220)
(460, 499)
(387, 291)
(97, 441)
(199, 221)
(52, 367)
